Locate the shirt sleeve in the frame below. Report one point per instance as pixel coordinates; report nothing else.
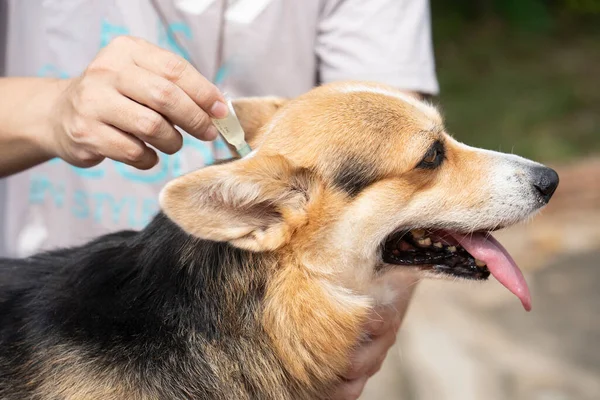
(387, 41)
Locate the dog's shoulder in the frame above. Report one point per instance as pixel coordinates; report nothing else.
(23, 280)
(12, 269)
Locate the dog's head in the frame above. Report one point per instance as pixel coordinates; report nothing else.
(351, 179)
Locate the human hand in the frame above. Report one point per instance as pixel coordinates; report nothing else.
(131, 95)
(382, 329)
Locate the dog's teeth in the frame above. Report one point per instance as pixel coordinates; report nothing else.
(439, 245)
(480, 263)
(424, 242)
(418, 233)
(452, 249)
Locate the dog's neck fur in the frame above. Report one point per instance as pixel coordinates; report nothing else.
(304, 327)
(221, 283)
(172, 302)
(182, 281)
(156, 306)
(175, 302)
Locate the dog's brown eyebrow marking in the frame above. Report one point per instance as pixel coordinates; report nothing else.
(353, 175)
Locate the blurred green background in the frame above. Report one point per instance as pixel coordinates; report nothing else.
(521, 76)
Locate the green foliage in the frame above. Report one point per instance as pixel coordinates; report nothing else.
(520, 75)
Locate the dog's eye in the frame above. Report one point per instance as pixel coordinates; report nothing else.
(433, 158)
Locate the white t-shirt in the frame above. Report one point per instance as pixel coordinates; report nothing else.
(270, 47)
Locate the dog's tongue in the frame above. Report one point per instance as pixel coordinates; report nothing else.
(501, 265)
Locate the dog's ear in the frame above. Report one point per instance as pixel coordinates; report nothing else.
(254, 203)
(256, 112)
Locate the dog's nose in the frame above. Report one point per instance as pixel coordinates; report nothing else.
(545, 181)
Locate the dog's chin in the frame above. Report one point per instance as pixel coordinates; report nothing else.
(433, 252)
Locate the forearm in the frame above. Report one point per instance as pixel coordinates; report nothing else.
(26, 107)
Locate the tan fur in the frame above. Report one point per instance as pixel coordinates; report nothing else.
(263, 287)
(283, 200)
(66, 375)
(313, 321)
(266, 291)
(244, 210)
(313, 327)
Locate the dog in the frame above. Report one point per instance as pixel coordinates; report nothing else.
(254, 279)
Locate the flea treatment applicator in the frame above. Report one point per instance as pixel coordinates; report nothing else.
(231, 129)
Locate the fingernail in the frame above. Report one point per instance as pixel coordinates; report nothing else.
(219, 110)
(211, 133)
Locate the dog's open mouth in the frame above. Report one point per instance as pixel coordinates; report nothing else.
(471, 256)
(436, 251)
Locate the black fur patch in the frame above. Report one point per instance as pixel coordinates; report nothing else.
(146, 304)
(354, 175)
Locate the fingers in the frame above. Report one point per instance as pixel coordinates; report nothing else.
(367, 360)
(369, 357)
(371, 354)
(180, 72)
(375, 369)
(350, 390)
(167, 99)
(115, 144)
(381, 328)
(381, 319)
(141, 122)
(135, 92)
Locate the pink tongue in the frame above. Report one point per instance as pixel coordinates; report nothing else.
(487, 249)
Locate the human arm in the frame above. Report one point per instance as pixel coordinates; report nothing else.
(129, 97)
(25, 109)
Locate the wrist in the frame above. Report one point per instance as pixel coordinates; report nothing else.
(43, 109)
(27, 110)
